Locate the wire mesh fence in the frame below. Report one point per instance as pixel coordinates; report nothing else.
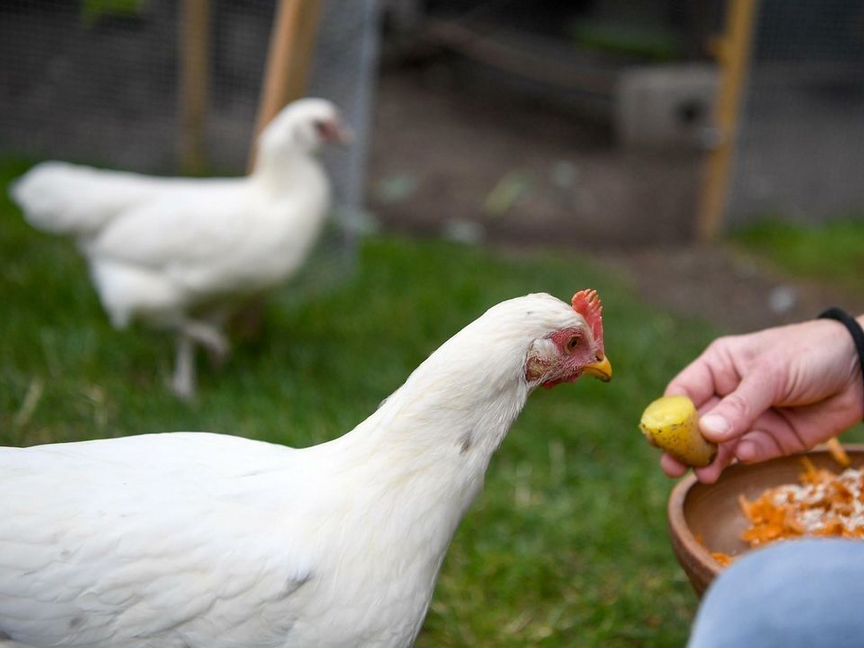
(801, 139)
(97, 82)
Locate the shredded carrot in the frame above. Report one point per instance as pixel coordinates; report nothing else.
(824, 504)
(724, 560)
(838, 452)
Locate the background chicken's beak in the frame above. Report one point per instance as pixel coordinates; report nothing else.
(601, 369)
(339, 133)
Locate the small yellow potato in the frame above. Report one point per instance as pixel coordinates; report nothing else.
(672, 424)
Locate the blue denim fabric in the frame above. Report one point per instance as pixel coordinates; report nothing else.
(795, 594)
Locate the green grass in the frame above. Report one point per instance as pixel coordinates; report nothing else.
(94, 10)
(567, 545)
(833, 252)
(646, 42)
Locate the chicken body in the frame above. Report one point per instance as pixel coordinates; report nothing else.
(198, 540)
(181, 253)
(189, 540)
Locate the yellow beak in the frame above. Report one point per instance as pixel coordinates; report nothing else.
(601, 369)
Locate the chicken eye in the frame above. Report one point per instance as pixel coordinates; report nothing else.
(572, 344)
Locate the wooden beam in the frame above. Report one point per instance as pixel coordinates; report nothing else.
(292, 43)
(289, 59)
(733, 52)
(194, 83)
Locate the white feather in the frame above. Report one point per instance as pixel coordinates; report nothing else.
(199, 540)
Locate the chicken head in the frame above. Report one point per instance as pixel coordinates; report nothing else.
(567, 354)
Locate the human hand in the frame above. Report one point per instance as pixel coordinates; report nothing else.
(775, 392)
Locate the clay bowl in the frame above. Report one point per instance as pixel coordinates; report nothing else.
(712, 513)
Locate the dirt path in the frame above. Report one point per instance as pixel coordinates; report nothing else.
(454, 153)
(487, 164)
(735, 291)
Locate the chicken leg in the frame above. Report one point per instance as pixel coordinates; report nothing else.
(190, 333)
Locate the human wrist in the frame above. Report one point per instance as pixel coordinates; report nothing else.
(855, 330)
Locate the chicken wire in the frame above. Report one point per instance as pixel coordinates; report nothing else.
(96, 82)
(801, 139)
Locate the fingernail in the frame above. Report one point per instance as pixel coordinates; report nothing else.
(716, 426)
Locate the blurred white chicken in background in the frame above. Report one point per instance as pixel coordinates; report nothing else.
(183, 253)
(195, 540)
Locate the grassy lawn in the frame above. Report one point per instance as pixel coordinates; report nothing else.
(833, 252)
(567, 546)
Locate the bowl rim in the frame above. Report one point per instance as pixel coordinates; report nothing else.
(678, 523)
(677, 520)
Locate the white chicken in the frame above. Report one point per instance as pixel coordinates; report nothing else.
(198, 540)
(179, 253)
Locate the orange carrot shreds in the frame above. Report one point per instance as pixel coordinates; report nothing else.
(837, 451)
(810, 473)
(722, 559)
(824, 504)
(744, 504)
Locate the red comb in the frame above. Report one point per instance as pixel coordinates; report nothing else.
(587, 303)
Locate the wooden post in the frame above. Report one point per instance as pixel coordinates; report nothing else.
(292, 42)
(733, 54)
(194, 83)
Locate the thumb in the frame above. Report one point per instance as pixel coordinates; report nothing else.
(736, 412)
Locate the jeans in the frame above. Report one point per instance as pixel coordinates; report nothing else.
(794, 594)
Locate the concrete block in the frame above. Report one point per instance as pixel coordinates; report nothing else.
(666, 106)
